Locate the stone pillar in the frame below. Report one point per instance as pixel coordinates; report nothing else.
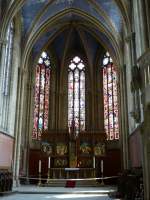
(18, 127)
(144, 23)
(135, 81)
(27, 129)
(126, 96)
(124, 128)
(144, 65)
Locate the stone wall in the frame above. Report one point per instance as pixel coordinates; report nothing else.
(6, 151)
(135, 149)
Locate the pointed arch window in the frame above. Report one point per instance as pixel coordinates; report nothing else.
(8, 59)
(110, 91)
(41, 95)
(76, 94)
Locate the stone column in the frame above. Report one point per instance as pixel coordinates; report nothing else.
(144, 23)
(124, 128)
(27, 127)
(135, 81)
(18, 127)
(126, 96)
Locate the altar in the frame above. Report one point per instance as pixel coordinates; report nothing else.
(73, 158)
(70, 171)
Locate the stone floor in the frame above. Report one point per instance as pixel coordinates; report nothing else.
(56, 193)
(57, 197)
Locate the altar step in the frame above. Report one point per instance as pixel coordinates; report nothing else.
(87, 183)
(72, 183)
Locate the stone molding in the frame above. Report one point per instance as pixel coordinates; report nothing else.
(136, 83)
(144, 60)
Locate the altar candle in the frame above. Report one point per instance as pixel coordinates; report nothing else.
(69, 130)
(102, 166)
(94, 162)
(39, 166)
(49, 162)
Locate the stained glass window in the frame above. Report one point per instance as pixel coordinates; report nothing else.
(8, 59)
(41, 95)
(76, 95)
(110, 91)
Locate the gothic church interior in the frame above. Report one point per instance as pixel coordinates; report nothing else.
(74, 88)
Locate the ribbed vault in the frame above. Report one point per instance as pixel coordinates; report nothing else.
(43, 20)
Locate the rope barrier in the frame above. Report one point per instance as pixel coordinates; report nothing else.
(66, 179)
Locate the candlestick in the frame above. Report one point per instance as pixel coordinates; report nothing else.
(102, 166)
(39, 183)
(48, 176)
(69, 130)
(102, 170)
(39, 166)
(49, 162)
(94, 162)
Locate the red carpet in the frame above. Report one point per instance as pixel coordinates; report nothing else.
(70, 184)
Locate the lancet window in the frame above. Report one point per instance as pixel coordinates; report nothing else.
(110, 91)
(76, 95)
(8, 59)
(41, 95)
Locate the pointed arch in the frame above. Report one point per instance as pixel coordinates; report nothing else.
(41, 95)
(110, 91)
(76, 95)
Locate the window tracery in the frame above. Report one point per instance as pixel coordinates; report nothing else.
(8, 59)
(41, 95)
(110, 92)
(76, 95)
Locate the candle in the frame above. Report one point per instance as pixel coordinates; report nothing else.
(94, 162)
(39, 166)
(102, 166)
(69, 129)
(49, 162)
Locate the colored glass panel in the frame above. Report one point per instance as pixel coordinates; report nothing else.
(8, 59)
(76, 94)
(41, 96)
(110, 91)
